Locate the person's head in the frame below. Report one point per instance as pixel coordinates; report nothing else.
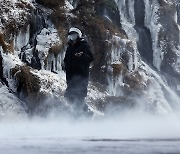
(74, 34)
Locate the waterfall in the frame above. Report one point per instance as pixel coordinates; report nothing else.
(159, 92)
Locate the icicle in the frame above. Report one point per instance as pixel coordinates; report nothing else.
(115, 85)
(151, 21)
(45, 40)
(127, 17)
(21, 39)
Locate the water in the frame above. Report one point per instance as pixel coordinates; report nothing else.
(138, 134)
(83, 146)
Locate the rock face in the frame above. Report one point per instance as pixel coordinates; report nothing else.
(135, 43)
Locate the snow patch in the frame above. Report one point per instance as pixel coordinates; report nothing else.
(68, 6)
(9, 62)
(10, 106)
(51, 84)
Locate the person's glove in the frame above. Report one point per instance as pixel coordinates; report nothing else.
(79, 54)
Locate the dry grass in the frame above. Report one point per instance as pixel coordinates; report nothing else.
(62, 31)
(29, 82)
(6, 47)
(28, 85)
(2, 42)
(117, 69)
(55, 49)
(61, 22)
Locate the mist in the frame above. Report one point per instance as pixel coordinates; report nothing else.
(55, 133)
(127, 126)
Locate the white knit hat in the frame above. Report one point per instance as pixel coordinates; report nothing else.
(73, 29)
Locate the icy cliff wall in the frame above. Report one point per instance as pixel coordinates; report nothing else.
(155, 27)
(135, 43)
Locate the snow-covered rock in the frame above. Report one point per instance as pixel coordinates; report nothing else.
(11, 107)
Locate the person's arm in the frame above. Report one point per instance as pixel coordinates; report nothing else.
(86, 54)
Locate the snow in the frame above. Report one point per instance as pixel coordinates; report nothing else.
(94, 94)
(68, 6)
(11, 107)
(51, 84)
(55, 85)
(14, 12)
(9, 62)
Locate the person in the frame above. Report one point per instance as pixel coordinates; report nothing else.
(76, 64)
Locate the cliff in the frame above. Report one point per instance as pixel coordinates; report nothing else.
(135, 43)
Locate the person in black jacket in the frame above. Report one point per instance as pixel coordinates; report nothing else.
(77, 61)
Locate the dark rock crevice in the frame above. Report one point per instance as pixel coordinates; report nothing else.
(109, 12)
(178, 13)
(2, 78)
(144, 42)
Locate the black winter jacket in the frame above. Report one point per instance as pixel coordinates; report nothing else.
(78, 66)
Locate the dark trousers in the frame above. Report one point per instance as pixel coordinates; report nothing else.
(76, 91)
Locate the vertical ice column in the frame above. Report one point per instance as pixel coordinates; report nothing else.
(116, 66)
(21, 39)
(54, 62)
(115, 81)
(126, 10)
(115, 85)
(151, 21)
